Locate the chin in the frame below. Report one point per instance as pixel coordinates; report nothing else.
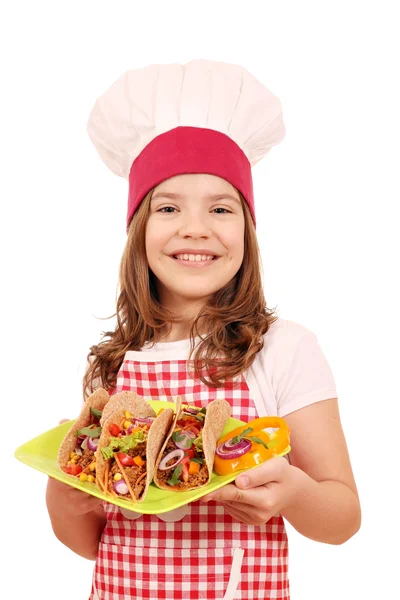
(194, 295)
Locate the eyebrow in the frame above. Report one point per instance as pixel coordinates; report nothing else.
(214, 197)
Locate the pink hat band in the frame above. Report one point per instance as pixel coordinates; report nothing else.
(189, 150)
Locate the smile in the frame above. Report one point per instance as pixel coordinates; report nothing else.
(195, 257)
(194, 260)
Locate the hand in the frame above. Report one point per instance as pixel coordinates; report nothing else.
(271, 487)
(64, 500)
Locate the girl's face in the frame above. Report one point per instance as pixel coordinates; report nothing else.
(194, 238)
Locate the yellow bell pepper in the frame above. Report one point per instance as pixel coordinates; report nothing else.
(194, 468)
(277, 442)
(138, 460)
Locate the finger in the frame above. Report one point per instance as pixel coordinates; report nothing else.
(241, 507)
(63, 421)
(270, 471)
(244, 517)
(92, 502)
(230, 493)
(235, 514)
(258, 513)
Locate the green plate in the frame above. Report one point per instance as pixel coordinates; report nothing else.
(41, 454)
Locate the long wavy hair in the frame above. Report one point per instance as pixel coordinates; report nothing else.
(236, 316)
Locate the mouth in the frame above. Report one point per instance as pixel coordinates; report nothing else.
(194, 260)
(195, 257)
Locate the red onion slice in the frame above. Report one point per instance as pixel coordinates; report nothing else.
(178, 454)
(230, 445)
(143, 421)
(80, 440)
(92, 443)
(233, 451)
(191, 411)
(120, 487)
(186, 442)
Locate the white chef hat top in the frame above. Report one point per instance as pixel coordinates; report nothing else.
(201, 117)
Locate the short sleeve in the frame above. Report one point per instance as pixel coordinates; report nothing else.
(302, 375)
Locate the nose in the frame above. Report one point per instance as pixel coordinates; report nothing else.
(194, 226)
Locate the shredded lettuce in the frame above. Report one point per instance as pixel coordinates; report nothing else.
(198, 442)
(107, 453)
(123, 444)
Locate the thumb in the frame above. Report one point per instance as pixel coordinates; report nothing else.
(267, 472)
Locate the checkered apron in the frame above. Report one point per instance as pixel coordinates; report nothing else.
(199, 551)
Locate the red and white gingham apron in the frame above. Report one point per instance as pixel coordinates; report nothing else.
(207, 554)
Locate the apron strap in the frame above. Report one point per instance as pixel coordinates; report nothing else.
(234, 578)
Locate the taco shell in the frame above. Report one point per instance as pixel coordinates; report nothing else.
(97, 400)
(160, 428)
(217, 414)
(138, 404)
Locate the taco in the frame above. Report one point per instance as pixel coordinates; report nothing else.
(130, 443)
(77, 450)
(187, 456)
(119, 400)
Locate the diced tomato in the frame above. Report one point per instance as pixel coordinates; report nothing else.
(188, 420)
(190, 453)
(73, 469)
(115, 429)
(125, 459)
(185, 469)
(194, 429)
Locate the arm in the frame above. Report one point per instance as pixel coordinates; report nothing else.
(77, 518)
(316, 493)
(327, 507)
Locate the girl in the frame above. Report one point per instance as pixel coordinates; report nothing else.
(192, 320)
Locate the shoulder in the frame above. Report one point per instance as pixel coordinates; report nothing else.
(282, 341)
(284, 335)
(295, 365)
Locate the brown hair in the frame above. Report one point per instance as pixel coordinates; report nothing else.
(236, 315)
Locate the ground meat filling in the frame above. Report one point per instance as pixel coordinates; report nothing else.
(86, 460)
(196, 480)
(87, 457)
(133, 473)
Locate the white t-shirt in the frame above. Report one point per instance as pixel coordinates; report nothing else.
(289, 373)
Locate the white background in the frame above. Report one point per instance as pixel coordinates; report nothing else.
(326, 201)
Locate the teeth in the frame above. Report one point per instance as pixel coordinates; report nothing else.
(194, 257)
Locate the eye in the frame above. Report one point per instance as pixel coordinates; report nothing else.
(166, 209)
(219, 209)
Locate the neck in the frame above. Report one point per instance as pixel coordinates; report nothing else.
(186, 313)
(178, 331)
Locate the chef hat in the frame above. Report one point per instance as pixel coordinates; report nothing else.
(202, 117)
